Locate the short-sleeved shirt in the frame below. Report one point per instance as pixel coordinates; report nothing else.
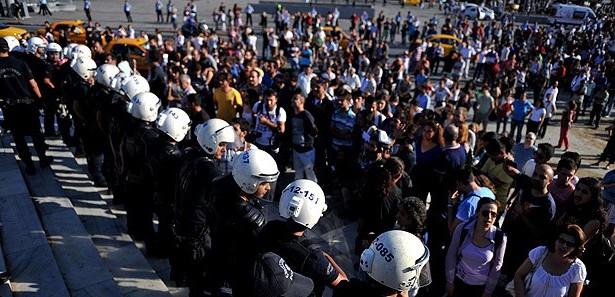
(539, 210)
(227, 103)
(520, 109)
(343, 121)
(501, 180)
(545, 284)
(467, 207)
(15, 76)
(522, 154)
(276, 115)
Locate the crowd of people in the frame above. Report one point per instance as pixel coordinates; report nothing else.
(202, 137)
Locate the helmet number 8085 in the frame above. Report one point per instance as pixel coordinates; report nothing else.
(384, 252)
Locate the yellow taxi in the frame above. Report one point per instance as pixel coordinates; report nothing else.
(344, 38)
(411, 2)
(448, 41)
(77, 31)
(6, 30)
(133, 48)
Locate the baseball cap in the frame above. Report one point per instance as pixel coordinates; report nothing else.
(274, 278)
(4, 45)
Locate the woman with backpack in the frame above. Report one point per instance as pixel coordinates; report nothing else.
(476, 253)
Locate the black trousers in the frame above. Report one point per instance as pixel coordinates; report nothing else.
(22, 120)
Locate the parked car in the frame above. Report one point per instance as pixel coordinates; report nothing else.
(75, 27)
(448, 41)
(6, 30)
(133, 48)
(343, 37)
(474, 11)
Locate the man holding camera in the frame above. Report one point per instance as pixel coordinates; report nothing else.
(270, 121)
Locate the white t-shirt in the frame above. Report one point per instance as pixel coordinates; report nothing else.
(537, 113)
(545, 284)
(266, 131)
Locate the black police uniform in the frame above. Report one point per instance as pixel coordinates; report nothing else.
(113, 118)
(73, 89)
(56, 108)
(40, 72)
(20, 110)
(163, 163)
(300, 254)
(193, 215)
(94, 140)
(234, 238)
(136, 144)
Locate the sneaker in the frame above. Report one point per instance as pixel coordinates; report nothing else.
(46, 161)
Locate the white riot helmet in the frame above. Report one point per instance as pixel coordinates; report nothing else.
(118, 81)
(213, 132)
(80, 51)
(12, 41)
(106, 73)
(34, 43)
(68, 50)
(135, 84)
(303, 201)
(144, 106)
(174, 122)
(253, 167)
(84, 67)
(54, 48)
(395, 259)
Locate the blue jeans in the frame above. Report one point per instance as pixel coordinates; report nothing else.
(516, 125)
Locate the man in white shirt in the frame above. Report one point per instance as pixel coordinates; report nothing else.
(551, 94)
(304, 80)
(467, 52)
(269, 118)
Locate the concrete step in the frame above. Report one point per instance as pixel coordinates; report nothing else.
(128, 266)
(29, 257)
(5, 288)
(84, 271)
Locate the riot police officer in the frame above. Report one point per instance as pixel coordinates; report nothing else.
(393, 264)
(74, 88)
(21, 114)
(55, 109)
(163, 161)
(114, 118)
(100, 103)
(302, 204)
(134, 149)
(90, 94)
(240, 215)
(193, 207)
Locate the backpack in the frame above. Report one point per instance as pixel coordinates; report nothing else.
(274, 141)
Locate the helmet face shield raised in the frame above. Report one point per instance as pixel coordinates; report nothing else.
(396, 259)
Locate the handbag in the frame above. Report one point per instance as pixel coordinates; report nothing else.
(527, 281)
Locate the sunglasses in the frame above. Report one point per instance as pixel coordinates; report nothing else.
(566, 242)
(487, 213)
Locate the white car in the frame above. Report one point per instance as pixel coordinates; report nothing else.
(474, 11)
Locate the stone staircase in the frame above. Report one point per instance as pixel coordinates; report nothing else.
(61, 238)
